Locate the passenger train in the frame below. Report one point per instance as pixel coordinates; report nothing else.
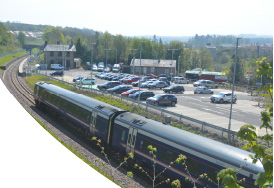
(128, 132)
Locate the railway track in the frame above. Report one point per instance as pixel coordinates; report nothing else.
(16, 84)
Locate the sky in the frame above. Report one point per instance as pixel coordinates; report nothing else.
(147, 17)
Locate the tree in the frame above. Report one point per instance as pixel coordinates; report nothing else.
(52, 35)
(21, 38)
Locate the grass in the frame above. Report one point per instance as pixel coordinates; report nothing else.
(7, 58)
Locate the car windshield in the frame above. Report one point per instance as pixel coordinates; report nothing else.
(158, 96)
(131, 90)
(219, 94)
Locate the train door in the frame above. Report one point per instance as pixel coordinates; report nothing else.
(93, 122)
(132, 136)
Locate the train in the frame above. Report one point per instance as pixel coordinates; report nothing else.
(127, 132)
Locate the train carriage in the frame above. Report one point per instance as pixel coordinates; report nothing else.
(90, 115)
(133, 133)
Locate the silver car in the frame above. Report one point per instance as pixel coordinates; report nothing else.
(157, 84)
(202, 90)
(223, 97)
(181, 80)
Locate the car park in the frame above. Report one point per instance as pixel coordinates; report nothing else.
(162, 99)
(157, 84)
(143, 95)
(174, 89)
(86, 81)
(206, 83)
(202, 90)
(109, 84)
(57, 73)
(180, 80)
(119, 89)
(131, 91)
(223, 97)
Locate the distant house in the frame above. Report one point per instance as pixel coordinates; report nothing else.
(153, 66)
(60, 54)
(198, 73)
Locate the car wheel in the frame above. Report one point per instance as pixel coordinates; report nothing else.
(172, 103)
(221, 101)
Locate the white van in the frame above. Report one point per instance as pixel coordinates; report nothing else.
(56, 67)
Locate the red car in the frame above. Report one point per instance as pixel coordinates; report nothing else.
(130, 80)
(126, 93)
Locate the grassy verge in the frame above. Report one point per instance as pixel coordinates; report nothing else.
(74, 151)
(7, 58)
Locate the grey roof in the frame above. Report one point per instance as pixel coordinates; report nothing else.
(59, 47)
(154, 63)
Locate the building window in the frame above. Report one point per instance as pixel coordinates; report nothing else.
(51, 61)
(51, 53)
(59, 54)
(68, 54)
(68, 63)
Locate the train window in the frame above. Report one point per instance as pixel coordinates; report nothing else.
(70, 108)
(64, 105)
(123, 136)
(77, 112)
(168, 155)
(84, 116)
(35, 89)
(58, 102)
(194, 166)
(145, 145)
(212, 173)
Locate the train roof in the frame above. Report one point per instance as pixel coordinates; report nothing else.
(203, 145)
(79, 98)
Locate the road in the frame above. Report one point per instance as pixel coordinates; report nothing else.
(198, 106)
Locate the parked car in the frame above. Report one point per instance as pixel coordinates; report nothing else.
(119, 89)
(223, 97)
(94, 68)
(138, 83)
(162, 99)
(174, 89)
(181, 80)
(131, 79)
(132, 91)
(143, 95)
(57, 73)
(202, 90)
(157, 84)
(99, 74)
(109, 84)
(164, 79)
(86, 81)
(77, 79)
(144, 85)
(206, 83)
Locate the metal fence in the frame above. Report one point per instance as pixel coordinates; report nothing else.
(179, 118)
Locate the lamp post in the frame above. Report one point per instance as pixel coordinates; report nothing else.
(106, 56)
(248, 76)
(172, 50)
(229, 124)
(133, 55)
(91, 61)
(140, 72)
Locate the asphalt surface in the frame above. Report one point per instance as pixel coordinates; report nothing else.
(198, 106)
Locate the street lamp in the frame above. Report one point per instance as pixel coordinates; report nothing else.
(91, 61)
(229, 124)
(172, 61)
(248, 75)
(140, 72)
(133, 55)
(106, 56)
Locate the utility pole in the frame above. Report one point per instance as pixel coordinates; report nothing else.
(234, 73)
(106, 56)
(172, 61)
(133, 62)
(91, 61)
(140, 72)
